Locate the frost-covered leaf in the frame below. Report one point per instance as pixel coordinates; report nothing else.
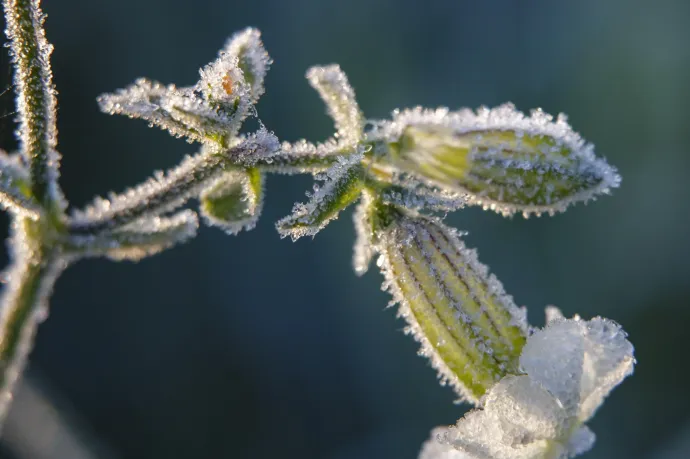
(166, 192)
(139, 239)
(181, 111)
(468, 327)
(502, 159)
(233, 202)
(339, 97)
(213, 109)
(15, 187)
(252, 59)
(343, 186)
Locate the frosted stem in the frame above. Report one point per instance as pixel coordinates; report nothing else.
(24, 304)
(35, 93)
(169, 191)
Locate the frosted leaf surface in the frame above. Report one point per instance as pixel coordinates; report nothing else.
(252, 59)
(335, 90)
(595, 353)
(142, 238)
(211, 111)
(502, 159)
(233, 202)
(342, 187)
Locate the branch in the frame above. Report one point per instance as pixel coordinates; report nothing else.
(24, 304)
(171, 190)
(35, 94)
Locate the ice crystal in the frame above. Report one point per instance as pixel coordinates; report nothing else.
(233, 202)
(500, 158)
(467, 326)
(139, 239)
(568, 368)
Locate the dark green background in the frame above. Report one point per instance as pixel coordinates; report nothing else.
(252, 347)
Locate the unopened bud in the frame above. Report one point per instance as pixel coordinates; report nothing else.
(500, 158)
(468, 327)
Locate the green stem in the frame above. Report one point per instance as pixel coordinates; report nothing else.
(24, 303)
(35, 94)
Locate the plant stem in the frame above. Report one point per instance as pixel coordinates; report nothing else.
(24, 302)
(35, 94)
(166, 193)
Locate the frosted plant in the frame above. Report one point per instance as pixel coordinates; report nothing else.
(533, 390)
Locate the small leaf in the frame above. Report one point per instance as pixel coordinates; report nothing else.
(339, 97)
(342, 188)
(499, 158)
(142, 238)
(234, 201)
(252, 59)
(468, 327)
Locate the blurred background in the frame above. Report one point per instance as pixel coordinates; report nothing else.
(252, 347)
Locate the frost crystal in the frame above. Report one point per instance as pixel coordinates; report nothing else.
(467, 326)
(500, 158)
(233, 202)
(569, 366)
